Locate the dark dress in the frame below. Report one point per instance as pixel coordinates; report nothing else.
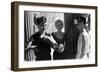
(43, 48)
(57, 55)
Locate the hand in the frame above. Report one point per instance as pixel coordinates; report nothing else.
(30, 47)
(46, 37)
(61, 48)
(56, 46)
(50, 38)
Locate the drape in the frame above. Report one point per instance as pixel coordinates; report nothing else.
(28, 31)
(28, 25)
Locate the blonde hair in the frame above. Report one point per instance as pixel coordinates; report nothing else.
(58, 18)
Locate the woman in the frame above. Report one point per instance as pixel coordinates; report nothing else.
(40, 45)
(40, 42)
(59, 38)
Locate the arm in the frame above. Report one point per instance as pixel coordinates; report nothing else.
(50, 40)
(79, 45)
(29, 51)
(31, 40)
(61, 45)
(59, 48)
(83, 47)
(29, 44)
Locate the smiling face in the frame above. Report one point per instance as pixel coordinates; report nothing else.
(59, 24)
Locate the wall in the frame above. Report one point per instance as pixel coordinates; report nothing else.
(5, 36)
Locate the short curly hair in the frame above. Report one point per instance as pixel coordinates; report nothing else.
(40, 20)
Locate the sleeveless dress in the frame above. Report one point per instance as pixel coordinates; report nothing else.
(58, 55)
(43, 48)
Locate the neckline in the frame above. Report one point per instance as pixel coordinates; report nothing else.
(58, 37)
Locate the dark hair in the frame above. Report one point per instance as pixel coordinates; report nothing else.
(82, 19)
(40, 20)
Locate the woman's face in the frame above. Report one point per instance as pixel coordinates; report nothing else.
(41, 27)
(59, 24)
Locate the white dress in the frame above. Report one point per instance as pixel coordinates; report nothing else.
(83, 45)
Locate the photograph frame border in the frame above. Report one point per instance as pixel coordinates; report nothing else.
(15, 34)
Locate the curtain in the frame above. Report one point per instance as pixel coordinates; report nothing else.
(28, 26)
(28, 31)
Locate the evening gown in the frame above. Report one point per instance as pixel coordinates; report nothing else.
(58, 55)
(43, 48)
